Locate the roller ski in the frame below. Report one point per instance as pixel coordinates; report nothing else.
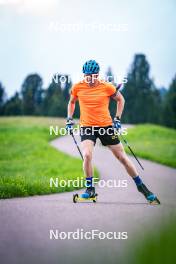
(88, 195)
(151, 198)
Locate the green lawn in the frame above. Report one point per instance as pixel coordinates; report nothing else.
(27, 161)
(154, 143)
(156, 247)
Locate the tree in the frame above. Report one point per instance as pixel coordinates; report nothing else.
(54, 103)
(66, 94)
(2, 98)
(56, 97)
(13, 106)
(170, 106)
(32, 94)
(66, 87)
(109, 77)
(141, 96)
(163, 92)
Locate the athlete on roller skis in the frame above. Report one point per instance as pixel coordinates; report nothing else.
(94, 96)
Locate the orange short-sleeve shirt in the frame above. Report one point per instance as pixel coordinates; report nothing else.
(94, 103)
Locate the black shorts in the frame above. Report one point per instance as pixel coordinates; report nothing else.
(106, 135)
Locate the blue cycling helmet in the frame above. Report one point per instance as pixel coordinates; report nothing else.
(91, 67)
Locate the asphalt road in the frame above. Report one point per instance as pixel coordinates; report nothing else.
(25, 223)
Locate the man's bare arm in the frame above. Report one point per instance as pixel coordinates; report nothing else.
(71, 106)
(118, 97)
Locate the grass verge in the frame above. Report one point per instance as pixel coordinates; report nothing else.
(154, 143)
(27, 161)
(156, 247)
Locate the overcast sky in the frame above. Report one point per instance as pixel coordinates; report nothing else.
(49, 36)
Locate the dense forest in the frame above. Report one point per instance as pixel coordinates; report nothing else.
(145, 103)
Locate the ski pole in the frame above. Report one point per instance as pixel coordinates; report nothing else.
(118, 86)
(125, 141)
(71, 132)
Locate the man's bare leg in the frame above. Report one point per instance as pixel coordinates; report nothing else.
(120, 154)
(87, 149)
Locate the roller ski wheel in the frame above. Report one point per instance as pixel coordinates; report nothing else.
(75, 198)
(95, 198)
(151, 198)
